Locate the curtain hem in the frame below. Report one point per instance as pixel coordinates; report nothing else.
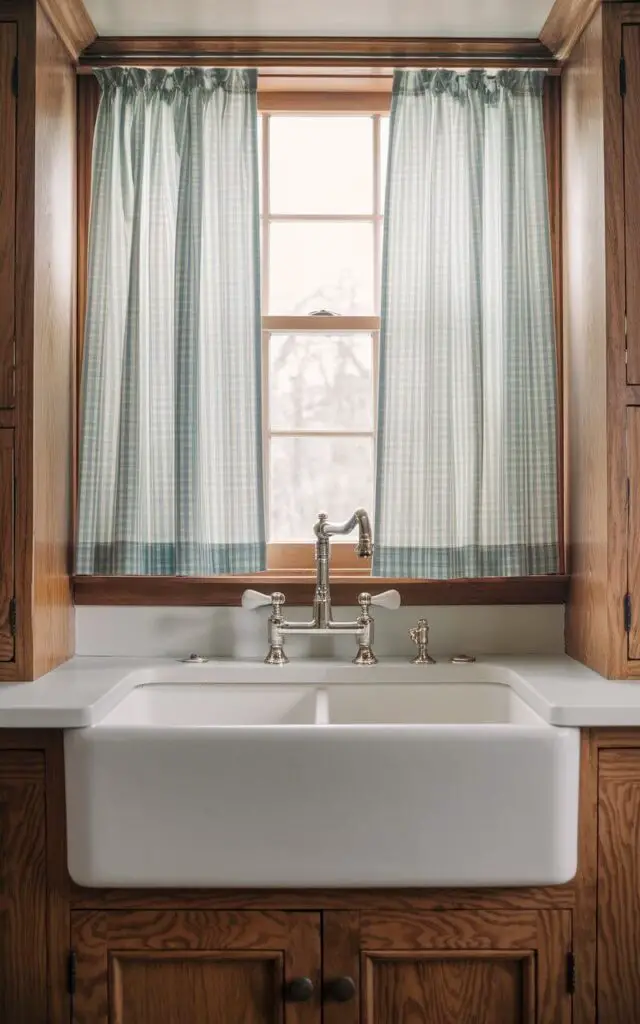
(470, 561)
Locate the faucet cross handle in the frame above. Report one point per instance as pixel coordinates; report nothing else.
(252, 599)
(387, 599)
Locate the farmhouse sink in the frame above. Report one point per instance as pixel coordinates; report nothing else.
(321, 776)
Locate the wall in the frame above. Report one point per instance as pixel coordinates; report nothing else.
(225, 632)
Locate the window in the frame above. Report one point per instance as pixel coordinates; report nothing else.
(319, 372)
(321, 217)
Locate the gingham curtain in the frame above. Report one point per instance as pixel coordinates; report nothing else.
(171, 463)
(467, 476)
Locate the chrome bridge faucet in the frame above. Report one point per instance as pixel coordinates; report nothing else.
(323, 623)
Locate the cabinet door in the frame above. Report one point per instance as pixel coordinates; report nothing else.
(23, 949)
(449, 967)
(8, 52)
(631, 53)
(195, 967)
(618, 983)
(6, 544)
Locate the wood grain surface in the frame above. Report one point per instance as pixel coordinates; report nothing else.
(633, 470)
(194, 965)
(618, 980)
(23, 888)
(52, 625)
(7, 542)
(8, 53)
(72, 24)
(565, 23)
(631, 104)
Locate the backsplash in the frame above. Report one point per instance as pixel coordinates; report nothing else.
(234, 632)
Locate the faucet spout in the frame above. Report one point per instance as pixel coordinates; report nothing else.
(364, 548)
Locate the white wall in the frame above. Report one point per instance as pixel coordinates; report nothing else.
(226, 632)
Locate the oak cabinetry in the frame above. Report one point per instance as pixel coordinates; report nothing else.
(7, 575)
(23, 888)
(205, 967)
(443, 967)
(618, 983)
(8, 57)
(37, 330)
(450, 967)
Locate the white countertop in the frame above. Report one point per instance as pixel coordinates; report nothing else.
(82, 691)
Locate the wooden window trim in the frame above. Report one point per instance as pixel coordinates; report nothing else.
(291, 564)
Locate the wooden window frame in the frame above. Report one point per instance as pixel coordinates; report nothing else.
(291, 565)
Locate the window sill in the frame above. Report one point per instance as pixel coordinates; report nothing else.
(298, 588)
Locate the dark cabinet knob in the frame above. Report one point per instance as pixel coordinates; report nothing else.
(339, 990)
(298, 990)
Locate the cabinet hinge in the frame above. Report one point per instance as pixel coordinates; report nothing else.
(571, 973)
(14, 77)
(12, 616)
(623, 77)
(627, 613)
(72, 964)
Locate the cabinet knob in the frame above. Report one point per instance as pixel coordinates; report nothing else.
(339, 990)
(298, 990)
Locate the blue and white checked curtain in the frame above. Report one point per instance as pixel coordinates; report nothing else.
(171, 461)
(467, 481)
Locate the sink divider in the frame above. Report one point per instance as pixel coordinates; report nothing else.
(322, 707)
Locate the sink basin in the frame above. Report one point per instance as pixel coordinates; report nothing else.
(436, 704)
(197, 707)
(322, 776)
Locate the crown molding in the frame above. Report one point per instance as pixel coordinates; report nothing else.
(565, 24)
(72, 24)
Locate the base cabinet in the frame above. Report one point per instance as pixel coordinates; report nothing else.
(210, 967)
(196, 967)
(450, 967)
(618, 966)
(23, 888)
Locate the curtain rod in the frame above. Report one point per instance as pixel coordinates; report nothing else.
(307, 68)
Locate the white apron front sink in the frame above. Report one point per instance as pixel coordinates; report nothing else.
(321, 776)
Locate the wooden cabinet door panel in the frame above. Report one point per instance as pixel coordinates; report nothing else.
(618, 980)
(7, 641)
(633, 524)
(454, 967)
(23, 949)
(194, 967)
(631, 53)
(8, 52)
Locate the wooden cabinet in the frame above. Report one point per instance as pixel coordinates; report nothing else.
(8, 55)
(450, 967)
(7, 574)
(23, 888)
(214, 967)
(631, 157)
(601, 336)
(618, 964)
(201, 967)
(37, 309)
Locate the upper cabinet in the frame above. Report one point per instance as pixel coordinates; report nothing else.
(7, 577)
(8, 57)
(601, 339)
(37, 332)
(630, 87)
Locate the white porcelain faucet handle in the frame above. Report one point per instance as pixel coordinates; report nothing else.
(387, 599)
(252, 599)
